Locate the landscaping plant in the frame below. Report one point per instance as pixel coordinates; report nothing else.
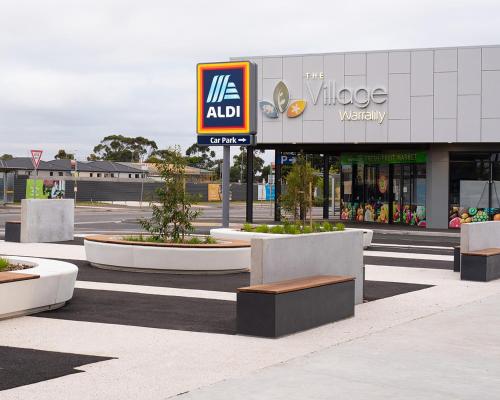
(173, 218)
(299, 181)
(4, 263)
(294, 228)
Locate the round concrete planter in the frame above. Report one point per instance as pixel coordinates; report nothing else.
(236, 234)
(114, 253)
(51, 290)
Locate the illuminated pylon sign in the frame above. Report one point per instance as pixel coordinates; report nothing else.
(226, 98)
(281, 100)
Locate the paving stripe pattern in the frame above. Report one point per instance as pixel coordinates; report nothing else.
(175, 339)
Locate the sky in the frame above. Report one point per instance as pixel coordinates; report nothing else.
(72, 72)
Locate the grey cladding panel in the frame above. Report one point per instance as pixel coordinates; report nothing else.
(422, 72)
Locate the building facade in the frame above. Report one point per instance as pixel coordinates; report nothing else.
(417, 131)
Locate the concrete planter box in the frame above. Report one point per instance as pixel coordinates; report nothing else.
(52, 290)
(45, 221)
(278, 258)
(237, 234)
(114, 253)
(479, 236)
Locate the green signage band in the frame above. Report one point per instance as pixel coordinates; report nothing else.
(416, 157)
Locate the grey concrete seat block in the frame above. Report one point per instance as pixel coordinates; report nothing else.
(47, 220)
(275, 315)
(480, 268)
(13, 231)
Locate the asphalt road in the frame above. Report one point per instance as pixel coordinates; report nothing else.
(115, 219)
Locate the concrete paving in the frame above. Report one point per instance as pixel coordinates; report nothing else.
(440, 342)
(454, 354)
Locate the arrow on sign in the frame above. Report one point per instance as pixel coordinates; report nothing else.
(36, 157)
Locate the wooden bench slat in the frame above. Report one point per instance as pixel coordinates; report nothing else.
(296, 284)
(7, 277)
(483, 252)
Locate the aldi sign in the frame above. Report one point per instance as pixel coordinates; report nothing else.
(227, 98)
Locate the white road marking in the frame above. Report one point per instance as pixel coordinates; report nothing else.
(411, 246)
(155, 290)
(411, 256)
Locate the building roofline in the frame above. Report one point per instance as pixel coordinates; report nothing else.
(365, 51)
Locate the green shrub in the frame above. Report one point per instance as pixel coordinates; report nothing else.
(262, 228)
(4, 263)
(141, 238)
(210, 240)
(327, 227)
(291, 229)
(247, 227)
(278, 229)
(317, 227)
(307, 229)
(194, 240)
(339, 226)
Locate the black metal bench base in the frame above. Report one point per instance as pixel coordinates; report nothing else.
(456, 259)
(274, 315)
(480, 268)
(13, 231)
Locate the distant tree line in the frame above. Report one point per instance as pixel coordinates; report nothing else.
(121, 148)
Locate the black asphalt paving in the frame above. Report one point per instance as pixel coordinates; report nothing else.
(20, 366)
(150, 311)
(179, 313)
(408, 262)
(221, 283)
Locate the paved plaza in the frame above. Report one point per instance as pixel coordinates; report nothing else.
(420, 334)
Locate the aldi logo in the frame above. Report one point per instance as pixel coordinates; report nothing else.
(222, 89)
(226, 98)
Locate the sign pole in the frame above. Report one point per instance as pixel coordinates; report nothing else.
(5, 187)
(226, 112)
(225, 186)
(36, 156)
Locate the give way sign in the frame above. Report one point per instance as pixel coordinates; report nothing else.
(36, 156)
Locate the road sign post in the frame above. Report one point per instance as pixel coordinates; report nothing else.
(36, 156)
(226, 112)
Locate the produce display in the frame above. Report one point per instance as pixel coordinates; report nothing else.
(374, 212)
(464, 215)
(346, 213)
(410, 215)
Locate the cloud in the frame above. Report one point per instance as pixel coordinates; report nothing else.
(72, 72)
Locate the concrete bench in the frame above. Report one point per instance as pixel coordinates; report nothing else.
(281, 308)
(13, 231)
(480, 265)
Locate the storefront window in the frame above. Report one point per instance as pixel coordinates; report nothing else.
(346, 193)
(473, 188)
(370, 191)
(358, 192)
(377, 194)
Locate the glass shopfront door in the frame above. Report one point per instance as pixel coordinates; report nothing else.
(408, 194)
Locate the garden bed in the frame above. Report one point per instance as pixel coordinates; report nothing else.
(249, 232)
(117, 252)
(49, 284)
(7, 265)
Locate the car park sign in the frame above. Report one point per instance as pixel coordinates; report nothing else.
(226, 103)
